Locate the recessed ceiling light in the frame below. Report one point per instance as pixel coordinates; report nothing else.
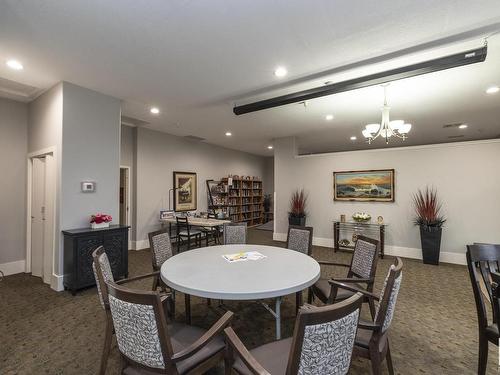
(329, 117)
(270, 147)
(463, 126)
(154, 110)
(228, 134)
(280, 71)
(353, 138)
(492, 90)
(14, 64)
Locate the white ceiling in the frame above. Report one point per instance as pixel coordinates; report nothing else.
(196, 59)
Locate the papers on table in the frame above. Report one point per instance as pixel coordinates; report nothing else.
(243, 256)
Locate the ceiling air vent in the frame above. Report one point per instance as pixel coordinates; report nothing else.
(194, 138)
(17, 91)
(131, 121)
(454, 125)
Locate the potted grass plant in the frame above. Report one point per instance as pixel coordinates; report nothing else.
(297, 214)
(430, 220)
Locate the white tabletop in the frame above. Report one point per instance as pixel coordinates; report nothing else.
(198, 221)
(205, 273)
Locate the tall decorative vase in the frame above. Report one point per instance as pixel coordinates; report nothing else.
(431, 245)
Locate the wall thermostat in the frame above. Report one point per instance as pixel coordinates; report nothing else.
(88, 187)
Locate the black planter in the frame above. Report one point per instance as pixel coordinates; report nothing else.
(295, 220)
(431, 245)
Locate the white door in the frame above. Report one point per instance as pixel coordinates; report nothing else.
(48, 235)
(42, 217)
(37, 216)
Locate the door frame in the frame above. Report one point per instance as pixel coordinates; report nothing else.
(29, 190)
(129, 204)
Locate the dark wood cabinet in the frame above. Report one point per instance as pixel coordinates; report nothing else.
(78, 247)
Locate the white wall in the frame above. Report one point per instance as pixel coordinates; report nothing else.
(160, 154)
(466, 176)
(13, 149)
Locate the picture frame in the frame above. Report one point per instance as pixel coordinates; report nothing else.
(375, 185)
(185, 191)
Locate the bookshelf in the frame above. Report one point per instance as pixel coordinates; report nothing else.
(240, 198)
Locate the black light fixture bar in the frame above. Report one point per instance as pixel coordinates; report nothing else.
(436, 65)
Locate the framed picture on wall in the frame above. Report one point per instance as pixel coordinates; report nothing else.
(185, 191)
(364, 186)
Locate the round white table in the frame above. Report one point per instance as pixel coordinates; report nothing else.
(205, 273)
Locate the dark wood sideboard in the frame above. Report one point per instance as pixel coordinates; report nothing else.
(78, 247)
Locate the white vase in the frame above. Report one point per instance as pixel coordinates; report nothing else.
(100, 225)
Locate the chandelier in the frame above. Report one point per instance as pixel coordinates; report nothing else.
(386, 129)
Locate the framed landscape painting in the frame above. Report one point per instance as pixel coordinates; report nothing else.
(362, 186)
(185, 191)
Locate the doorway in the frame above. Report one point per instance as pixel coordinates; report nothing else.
(124, 202)
(41, 195)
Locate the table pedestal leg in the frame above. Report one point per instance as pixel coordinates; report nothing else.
(278, 318)
(187, 302)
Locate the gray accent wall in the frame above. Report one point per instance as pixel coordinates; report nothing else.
(160, 154)
(13, 149)
(466, 176)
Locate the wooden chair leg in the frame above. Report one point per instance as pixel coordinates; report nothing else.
(373, 310)
(155, 283)
(376, 365)
(107, 344)
(298, 302)
(388, 359)
(228, 360)
(483, 355)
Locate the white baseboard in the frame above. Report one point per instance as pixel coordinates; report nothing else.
(405, 252)
(12, 268)
(56, 282)
(139, 245)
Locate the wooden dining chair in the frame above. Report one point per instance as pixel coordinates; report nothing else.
(148, 344)
(185, 233)
(322, 343)
(161, 250)
(299, 239)
(361, 271)
(235, 233)
(372, 339)
(102, 274)
(483, 260)
(211, 233)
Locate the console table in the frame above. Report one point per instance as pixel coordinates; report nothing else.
(79, 244)
(357, 228)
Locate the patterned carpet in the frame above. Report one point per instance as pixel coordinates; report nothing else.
(434, 330)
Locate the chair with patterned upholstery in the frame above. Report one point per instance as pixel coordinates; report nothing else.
(483, 260)
(103, 274)
(300, 239)
(148, 344)
(322, 343)
(361, 271)
(372, 339)
(235, 233)
(161, 250)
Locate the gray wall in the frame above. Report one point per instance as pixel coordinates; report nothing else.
(13, 149)
(91, 152)
(466, 176)
(159, 154)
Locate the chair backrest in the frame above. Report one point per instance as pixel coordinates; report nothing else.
(161, 248)
(482, 261)
(495, 291)
(364, 258)
(323, 338)
(102, 274)
(389, 295)
(300, 239)
(141, 328)
(182, 224)
(235, 233)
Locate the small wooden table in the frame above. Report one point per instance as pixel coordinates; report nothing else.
(195, 221)
(357, 227)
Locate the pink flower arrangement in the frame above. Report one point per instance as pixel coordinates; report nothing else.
(101, 218)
